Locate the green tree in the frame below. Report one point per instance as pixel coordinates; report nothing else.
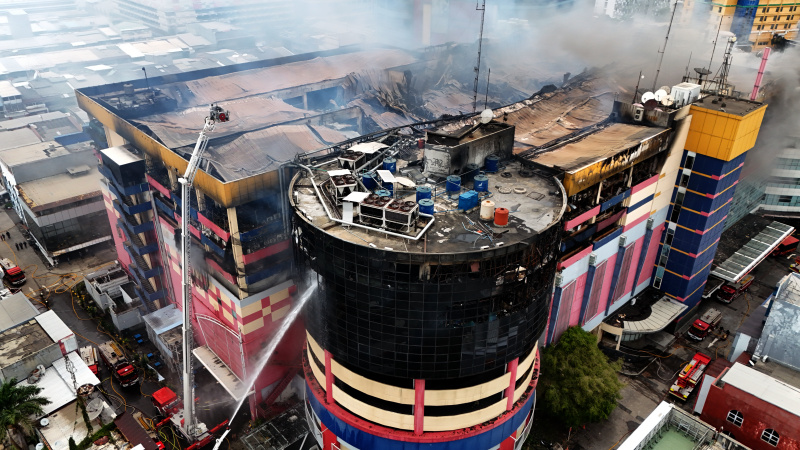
(578, 384)
(17, 405)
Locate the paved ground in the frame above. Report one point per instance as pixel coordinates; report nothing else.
(645, 391)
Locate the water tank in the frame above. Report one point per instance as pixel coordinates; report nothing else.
(487, 210)
(481, 183)
(501, 217)
(492, 163)
(390, 164)
(369, 181)
(423, 192)
(453, 186)
(467, 200)
(426, 206)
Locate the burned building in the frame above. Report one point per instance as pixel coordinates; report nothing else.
(435, 282)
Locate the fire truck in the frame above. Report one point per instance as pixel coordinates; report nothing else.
(170, 406)
(126, 374)
(689, 376)
(89, 356)
(730, 291)
(707, 322)
(12, 274)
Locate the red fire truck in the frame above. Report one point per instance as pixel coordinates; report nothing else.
(707, 322)
(730, 291)
(170, 406)
(12, 274)
(689, 376)
(126, 374)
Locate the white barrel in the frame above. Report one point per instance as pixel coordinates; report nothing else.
(487, 210)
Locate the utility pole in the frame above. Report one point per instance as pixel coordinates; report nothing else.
(662, 51)
(482, 9)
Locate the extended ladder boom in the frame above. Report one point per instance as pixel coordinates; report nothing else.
(216, 114)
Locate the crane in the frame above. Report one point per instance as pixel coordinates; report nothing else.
(215, 115)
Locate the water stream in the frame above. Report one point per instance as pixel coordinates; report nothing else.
(276, 339)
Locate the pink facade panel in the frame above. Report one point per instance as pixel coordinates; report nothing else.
(582, 218)
(577, 302)
(631, 275)
(607, 288)
(644, 184)
(652, 252)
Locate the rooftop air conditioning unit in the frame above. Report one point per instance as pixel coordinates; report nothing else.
(638, 113)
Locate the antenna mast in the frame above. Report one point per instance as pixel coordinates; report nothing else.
(482, 9)
(662, 51)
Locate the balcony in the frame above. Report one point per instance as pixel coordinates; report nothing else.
(137, 246)
(125, 190)
(132, 224)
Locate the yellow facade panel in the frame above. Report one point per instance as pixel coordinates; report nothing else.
(692, 141)
(703, 145)
(710, 123)
(720, 126)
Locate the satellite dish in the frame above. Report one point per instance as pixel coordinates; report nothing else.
(669, 100)
(486, 116)
(647, 96)
(650, 105)
(665, 89)
(660, 95)
(702, 71)
(44, 422)
(40, 446)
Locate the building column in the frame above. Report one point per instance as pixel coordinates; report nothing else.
(419, 407)
(512, 383)
(587, 289)
(328, 378)
(615, 277)
(648, 236)
(238, 254)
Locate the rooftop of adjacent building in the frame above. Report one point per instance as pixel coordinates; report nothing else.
(15, 309)
(22, 340)
(773, 383)
(63, 188)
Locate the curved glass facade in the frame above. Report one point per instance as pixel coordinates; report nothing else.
(431, 315)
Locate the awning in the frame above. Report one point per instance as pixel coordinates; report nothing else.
(662, 313)
(221, 372)
(790, 240)
(749, 256)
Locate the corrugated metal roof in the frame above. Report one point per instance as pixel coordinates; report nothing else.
(164, 319)
(746, 258)
(54, 326)
(15, 310)
(596, 147)
(764, 387)
(561, 113)
(285, 76)
(780, 337)
(83, 375)
(134, 432)
(54, 388)
(264, 150)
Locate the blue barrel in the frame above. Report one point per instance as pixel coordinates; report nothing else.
(467, 200)
(453, 186)
(383, 193)
(481, 183)
(390, 164)
(492, 163)
(426, 206)
(423, 192)
(469, 172)
(389, 187)
(369, 181)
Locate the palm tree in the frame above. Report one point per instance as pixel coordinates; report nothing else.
(17, 405)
